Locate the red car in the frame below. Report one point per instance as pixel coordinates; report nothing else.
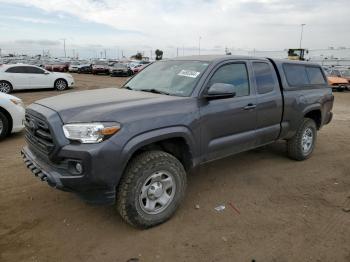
(100, 67)
(57, 67)
(138, 68)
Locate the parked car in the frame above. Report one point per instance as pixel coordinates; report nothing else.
(340, 72)
(57, 67)
(337, 83)
(85, 69)
(100, 67)
(11, 115)
(73, 67)
(135, 145)
(120, 69)
(16, 77)
(138, 68)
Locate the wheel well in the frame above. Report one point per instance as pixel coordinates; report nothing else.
(175, 146)
(316, 116)
(7, 114)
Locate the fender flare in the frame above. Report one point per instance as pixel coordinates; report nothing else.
(312, 107)
(153, 136)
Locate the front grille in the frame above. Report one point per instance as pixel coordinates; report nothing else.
(38, 134)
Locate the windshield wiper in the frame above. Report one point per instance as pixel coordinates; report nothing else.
(127, 87)
(155, 91)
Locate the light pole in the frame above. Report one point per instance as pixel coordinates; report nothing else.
(64, 47)
(301, 34)
(199, 45)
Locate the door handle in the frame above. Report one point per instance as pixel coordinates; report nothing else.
(250, 106)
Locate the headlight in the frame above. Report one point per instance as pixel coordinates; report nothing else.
(17, 102)
(88, 133)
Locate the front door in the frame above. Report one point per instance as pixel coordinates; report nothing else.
(38, 78)
(228, 125)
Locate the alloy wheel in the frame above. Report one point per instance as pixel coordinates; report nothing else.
(61, 85)
(5, 87)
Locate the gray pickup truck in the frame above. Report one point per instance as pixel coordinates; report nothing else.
(134, 145)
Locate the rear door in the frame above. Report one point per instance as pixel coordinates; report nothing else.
(228, 125)
(18, 77)
(269, 102)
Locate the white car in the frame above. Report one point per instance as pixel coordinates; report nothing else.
(21, 76)
(12, 115)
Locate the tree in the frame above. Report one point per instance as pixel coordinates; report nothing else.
(159, 54)
(138, 56)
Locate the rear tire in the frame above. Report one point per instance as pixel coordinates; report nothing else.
(302, 144)
(4, 126)
(151, 189)
(5, 87)
(61, 84)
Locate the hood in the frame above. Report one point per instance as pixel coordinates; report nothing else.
(59, 74)
(109, 104)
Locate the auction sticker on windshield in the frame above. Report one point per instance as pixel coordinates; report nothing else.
(189, 73)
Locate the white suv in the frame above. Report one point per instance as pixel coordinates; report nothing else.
(21, 76)
(11, 115)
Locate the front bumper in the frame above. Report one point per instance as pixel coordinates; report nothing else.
(89, 186)
(100, 70)
(119, 72)
(71, 83)
(18, 119)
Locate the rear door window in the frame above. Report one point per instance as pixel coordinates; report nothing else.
(264, 79)
(296, 74)
(34, 70)
(315, 75)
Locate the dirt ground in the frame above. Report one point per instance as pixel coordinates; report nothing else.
(276, 209)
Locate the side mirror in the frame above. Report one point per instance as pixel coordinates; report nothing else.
(46, 73)
(220, 90)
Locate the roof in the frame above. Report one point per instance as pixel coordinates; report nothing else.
(210, 58)
(4, 67)
(287, 61)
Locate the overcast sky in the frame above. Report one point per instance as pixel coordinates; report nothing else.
(94, 25)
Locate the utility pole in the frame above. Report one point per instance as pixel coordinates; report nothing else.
(105, 54)
(301, 34)
(64, 47)
(199, 45)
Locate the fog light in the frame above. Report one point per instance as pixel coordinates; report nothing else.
(79, 168)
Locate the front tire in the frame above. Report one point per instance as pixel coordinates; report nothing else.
(302, 144)
(4, 126)
(151, 189)
(5, 87)
(61, 85)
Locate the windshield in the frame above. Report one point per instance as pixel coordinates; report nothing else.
(346, 73)
(102, 63)
(172, 77)
(121, 66)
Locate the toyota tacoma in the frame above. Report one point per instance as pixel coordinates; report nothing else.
(133, 146)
